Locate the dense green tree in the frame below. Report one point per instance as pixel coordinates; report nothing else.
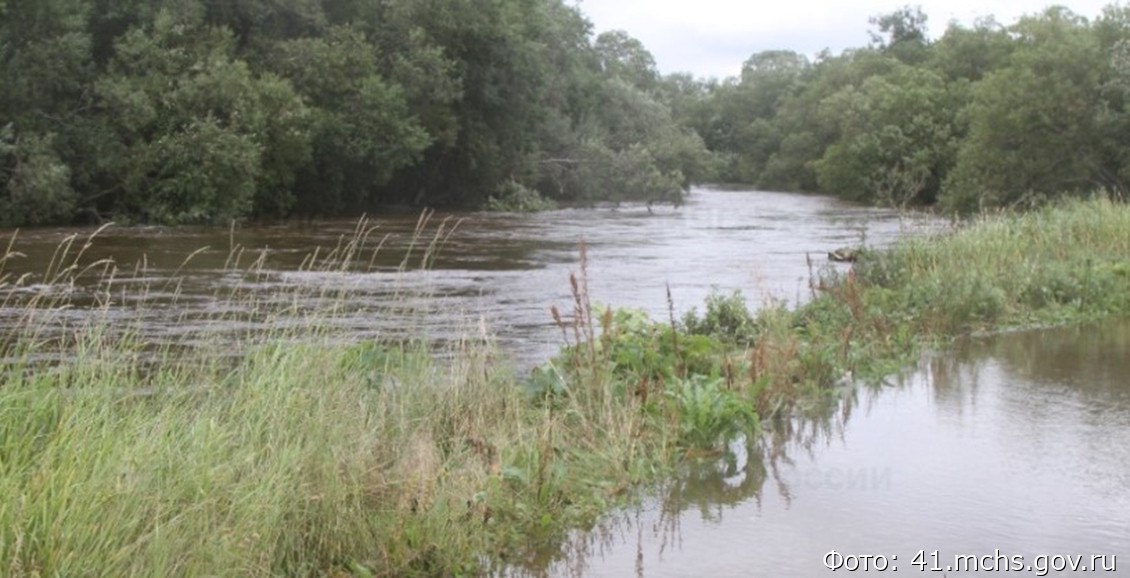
(738, 123)
(198, 135)
(38, 183)
(897, 138)
(361, 128)
(46, 64)
(1113, 116)
(496, 53)
(1033, 126)
(971, 53)
(184, 111)
(768, 80)
(624, 57)
(903, 34)
(46, 58)
(251, 20)
(986, 115)
(808, 125)
(641, 148)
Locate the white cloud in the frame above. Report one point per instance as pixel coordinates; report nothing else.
(714, 37)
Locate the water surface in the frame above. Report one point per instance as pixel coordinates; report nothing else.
(1018, 443)
(498, 272)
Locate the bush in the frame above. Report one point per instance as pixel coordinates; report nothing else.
(727, 318)
(38, 185)
(710, 414)
(514, 197)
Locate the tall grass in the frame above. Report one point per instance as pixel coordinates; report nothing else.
(299, 457)
(1068, 263)
(296, 462)
(1063, 263)
(306, 457)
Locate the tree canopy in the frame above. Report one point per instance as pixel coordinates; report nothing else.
(200, 111)
(986, 115)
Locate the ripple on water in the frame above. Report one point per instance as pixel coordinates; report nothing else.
(757, 242)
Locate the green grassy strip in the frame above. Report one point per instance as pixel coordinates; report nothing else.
(1069, 263)
(319, 460)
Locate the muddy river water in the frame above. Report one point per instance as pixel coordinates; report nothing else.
(1013, 450)
(501, 271)
(1016, 445)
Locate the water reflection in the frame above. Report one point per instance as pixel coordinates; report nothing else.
(1018, 442)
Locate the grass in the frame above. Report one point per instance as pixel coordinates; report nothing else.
(305, 457)
(300, 457)
(1065, 263)
(1068, 263)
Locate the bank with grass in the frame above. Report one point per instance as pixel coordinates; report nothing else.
(308, 458)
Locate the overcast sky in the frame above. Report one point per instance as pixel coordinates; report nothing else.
(714, 37)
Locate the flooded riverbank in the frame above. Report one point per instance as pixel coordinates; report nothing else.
(1016, 444)
(284, 451)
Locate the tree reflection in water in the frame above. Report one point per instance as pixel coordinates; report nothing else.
(709, 485)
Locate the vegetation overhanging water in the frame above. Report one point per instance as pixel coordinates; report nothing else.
(302, 456)
(309, 458)
(198, 111)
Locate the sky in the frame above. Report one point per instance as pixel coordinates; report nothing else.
(713, 37)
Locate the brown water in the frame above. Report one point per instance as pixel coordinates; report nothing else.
(501, 271)
(1017, 444)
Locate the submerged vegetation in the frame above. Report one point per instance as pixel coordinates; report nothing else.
(289, 453)
(304, 457)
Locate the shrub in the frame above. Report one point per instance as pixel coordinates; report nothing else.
(727, 318)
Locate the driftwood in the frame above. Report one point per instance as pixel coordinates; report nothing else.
(844, 255)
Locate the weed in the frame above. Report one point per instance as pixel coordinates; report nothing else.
(710, 414)
(727, 317)
(302, 456)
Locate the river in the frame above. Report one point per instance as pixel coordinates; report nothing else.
(1017, 444)
(503, 272)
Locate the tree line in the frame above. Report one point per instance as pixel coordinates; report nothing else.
(206, 111)
(985, 116)
(200, 111)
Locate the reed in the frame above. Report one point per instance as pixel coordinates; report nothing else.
(300, 456)
(1058, 265)
(306, 456)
